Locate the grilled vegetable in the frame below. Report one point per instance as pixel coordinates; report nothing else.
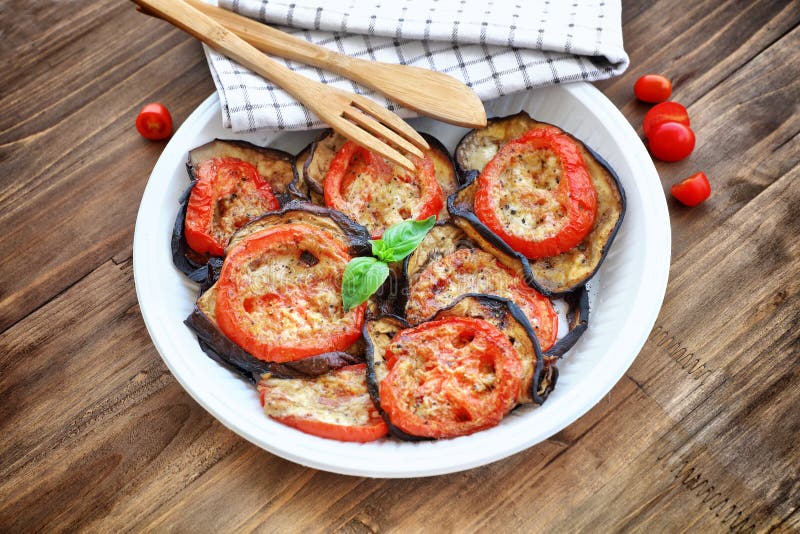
(378, 194)
(227, 194)
(335, 405)
(279, 293)
(533, 381)
(451, 377)
(324, 149)
(273, 166)
(506, 316)
(536, 194)
(558, 274)
(221, 349)
(447, 265)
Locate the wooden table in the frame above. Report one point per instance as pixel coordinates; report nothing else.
(702, 434)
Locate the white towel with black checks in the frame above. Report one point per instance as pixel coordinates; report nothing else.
(497, 47)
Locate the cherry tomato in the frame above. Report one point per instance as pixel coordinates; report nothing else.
(652, 88)
(664, 112)
(693, 190)
(671, 141)
(154, 122)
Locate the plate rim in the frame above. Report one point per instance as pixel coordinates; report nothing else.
(585, 400)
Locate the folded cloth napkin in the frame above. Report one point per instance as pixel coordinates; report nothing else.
(497, 47)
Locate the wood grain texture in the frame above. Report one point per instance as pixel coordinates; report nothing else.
(701, 435)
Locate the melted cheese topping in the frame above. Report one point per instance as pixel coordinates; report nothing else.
(287, 299)
(339, 398)
(525, 198)
(232, 211)
(380, 199)
(471, 270)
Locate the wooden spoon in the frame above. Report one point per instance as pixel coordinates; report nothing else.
(354, 116)
(430, 93)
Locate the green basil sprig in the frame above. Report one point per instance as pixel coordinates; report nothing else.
(364, 275)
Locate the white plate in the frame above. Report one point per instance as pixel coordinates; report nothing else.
(627, 294)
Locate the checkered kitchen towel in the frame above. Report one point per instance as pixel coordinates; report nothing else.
(497, 47)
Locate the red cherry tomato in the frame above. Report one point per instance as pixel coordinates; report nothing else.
(693, 190)
(671, 141)
(664, 112)
(154, 122)
(652, 88)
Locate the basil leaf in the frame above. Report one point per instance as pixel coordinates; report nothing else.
(401, 239)
(362, 277)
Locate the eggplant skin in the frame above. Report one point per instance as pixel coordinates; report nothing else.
(322, 152)
(334, 222)
(578, 322)
(378, 333)
(298, 189)
(221, 349)
(553, 275)
(276, 166)
(509, 319)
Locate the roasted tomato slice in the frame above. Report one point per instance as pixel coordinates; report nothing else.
(469, 270)
(228, 193)
(378, 194)
(537, 195)
(450, 378)
(279, 294)
(335, 405)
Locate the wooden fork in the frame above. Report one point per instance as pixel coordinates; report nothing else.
(430, 93)
(354, 116)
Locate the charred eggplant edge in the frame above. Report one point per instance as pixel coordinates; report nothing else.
(358, 238)
(298, 183)
(373, 387)
(470, 175)
(196, 271)
(224, 351)
(578, 321)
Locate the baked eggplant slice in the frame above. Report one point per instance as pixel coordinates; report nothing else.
(335, 405)
(509, 319)
(447, 265)
(331, 221)
(553, 275)
(378, 333)
(274, 166)
(221, 349)
(328, 143)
